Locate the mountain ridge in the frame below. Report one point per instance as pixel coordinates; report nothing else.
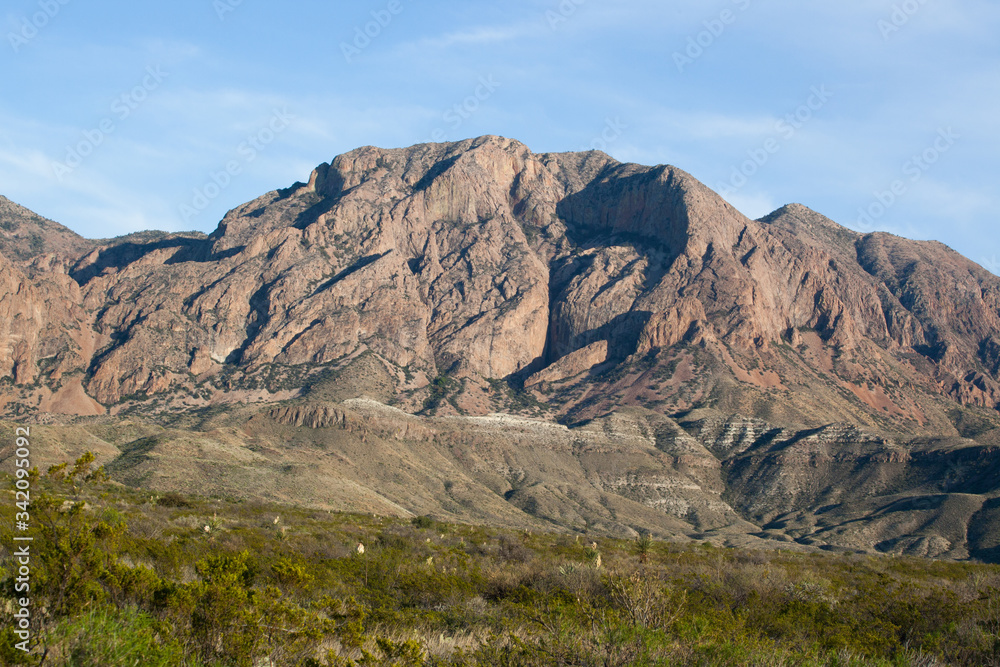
(458, 281)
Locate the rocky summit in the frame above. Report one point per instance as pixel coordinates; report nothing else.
(481, 333)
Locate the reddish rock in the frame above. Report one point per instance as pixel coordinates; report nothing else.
(480, 260)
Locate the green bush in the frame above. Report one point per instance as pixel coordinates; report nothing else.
(173, 499)
(172, 594)
(107, 637)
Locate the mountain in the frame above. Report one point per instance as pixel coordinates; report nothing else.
(476, 331)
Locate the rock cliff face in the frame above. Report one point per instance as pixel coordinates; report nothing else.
(477, 278)
(480, 260)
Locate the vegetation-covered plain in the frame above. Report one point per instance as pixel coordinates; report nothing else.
(122, 577)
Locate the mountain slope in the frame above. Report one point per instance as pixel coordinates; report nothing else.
(476, 278)
(481, 260)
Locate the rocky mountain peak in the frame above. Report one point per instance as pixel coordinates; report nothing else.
(554, 339)
(480, 261)
(26, 236)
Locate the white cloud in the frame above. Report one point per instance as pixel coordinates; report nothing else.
(478, 36)
(30, 165)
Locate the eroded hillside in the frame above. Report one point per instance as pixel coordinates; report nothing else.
(349, 342)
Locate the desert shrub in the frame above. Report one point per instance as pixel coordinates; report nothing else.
(427, 587)
(109, 636)
(512, 551)
(644, 599)
(173, 499)
(129, 585)
(223, 621)
(643, 546)
(291, 575)
(167, 592)
(73, 546)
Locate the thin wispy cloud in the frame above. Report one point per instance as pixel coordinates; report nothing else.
(478, 36)
(715, 126)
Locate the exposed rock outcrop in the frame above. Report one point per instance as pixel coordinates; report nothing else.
(776, 366)
(480, 260)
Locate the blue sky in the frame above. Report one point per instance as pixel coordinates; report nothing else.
(881, 114)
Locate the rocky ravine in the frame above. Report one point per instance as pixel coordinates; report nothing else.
(455, 281)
